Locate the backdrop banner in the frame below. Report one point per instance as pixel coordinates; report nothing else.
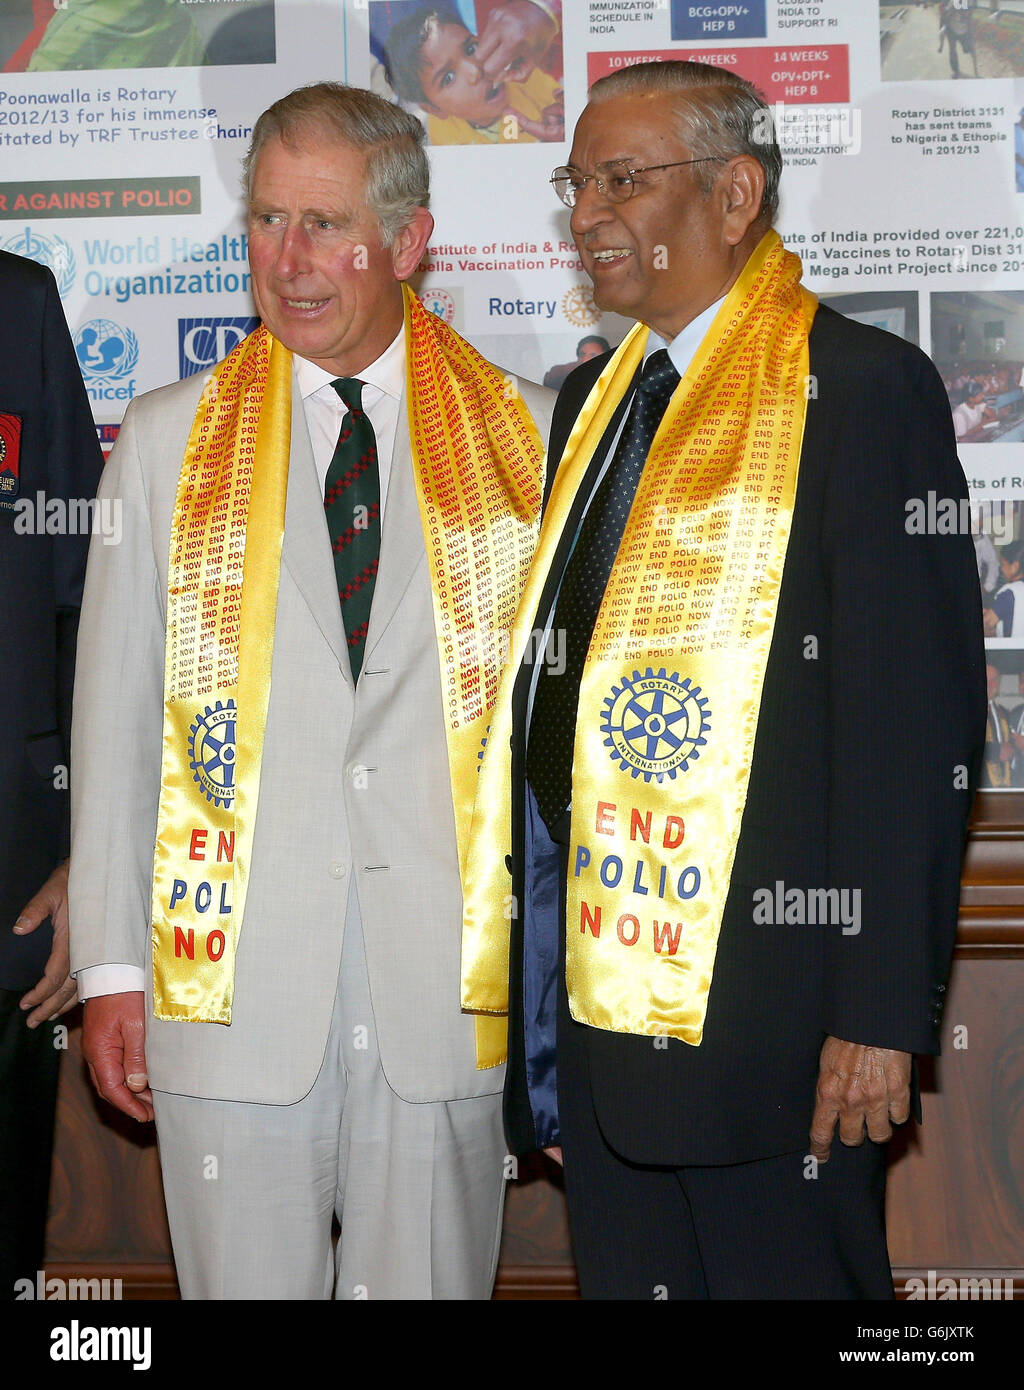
(902, 129)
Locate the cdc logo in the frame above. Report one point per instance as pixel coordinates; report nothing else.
(202, 342)
(107, 354)
(51, 251)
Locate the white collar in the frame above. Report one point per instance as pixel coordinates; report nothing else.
(387, 373)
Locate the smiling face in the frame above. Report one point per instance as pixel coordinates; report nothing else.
(669, 251)
(323, 283)
(454, 83)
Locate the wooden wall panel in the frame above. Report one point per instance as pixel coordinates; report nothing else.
(956, 1184)
(956, 1191)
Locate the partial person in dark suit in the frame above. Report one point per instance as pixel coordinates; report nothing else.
(48, 454)
(1015, 722)
(756, 788)
(999, 742)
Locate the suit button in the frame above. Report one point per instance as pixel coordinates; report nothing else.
(336, 869)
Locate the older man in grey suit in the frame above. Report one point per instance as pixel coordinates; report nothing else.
(346, 1081)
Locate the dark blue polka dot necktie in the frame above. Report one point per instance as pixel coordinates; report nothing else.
(553, 722)
(352, 507)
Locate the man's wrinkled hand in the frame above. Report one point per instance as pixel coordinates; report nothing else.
(513, 40)
(864, 1088)
(114, 1046)
(56, 992)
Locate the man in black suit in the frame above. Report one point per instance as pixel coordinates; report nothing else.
(50, 461)
(686, 1147)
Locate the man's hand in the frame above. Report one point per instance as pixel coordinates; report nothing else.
(113, 1044)
(858, 1086)
(556, 1154)
(56, 992)
(514, 39)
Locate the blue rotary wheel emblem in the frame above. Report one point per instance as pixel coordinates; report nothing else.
(655, 724)
(211, 751)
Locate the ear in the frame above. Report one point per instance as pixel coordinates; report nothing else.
(410, 243)
(742, 182)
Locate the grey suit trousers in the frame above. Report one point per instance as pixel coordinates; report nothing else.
(251, 1189)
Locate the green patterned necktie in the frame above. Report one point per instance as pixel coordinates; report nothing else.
(352, 506)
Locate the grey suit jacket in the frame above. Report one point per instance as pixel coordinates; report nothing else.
(355, 782)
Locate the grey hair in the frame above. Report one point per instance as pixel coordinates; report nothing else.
(723, 116)
(397, 171)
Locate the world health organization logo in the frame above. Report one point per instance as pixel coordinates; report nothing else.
(106, 349)
(51, 251)
(211, 752)
(655, 724)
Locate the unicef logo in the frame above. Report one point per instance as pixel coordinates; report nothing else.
(655, 724)
(211, 752)
(51, 251)
(105, 349)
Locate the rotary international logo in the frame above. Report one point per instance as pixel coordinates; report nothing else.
(211, 752)
(51, 251)
(579, 308)
(655, 724)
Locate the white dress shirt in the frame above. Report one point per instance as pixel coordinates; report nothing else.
(324, 411)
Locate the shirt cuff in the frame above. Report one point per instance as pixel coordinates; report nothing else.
(553, 10)
(110, 979)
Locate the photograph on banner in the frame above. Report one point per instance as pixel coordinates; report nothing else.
(588, 347)
(85, 35)
(1003, 764)
(999, 550)
(895, 311)
(951, 39)
(434, 60)
(978, 347)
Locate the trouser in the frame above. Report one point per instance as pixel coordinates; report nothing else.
(29, 1062)
(965, 43)
(417, 1188)
(776, 1228)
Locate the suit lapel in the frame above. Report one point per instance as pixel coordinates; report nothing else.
(576, 510)
(401, 540)
(306, 551)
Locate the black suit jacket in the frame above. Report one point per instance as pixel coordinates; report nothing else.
(41, 580)
(867, 752)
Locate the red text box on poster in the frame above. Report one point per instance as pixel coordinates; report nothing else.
(799, 75)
